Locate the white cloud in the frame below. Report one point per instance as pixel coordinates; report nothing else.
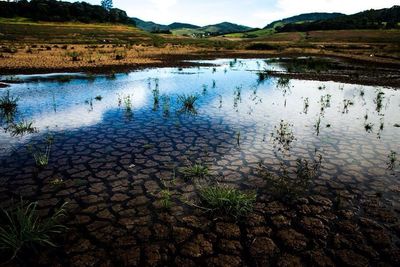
(255, 13)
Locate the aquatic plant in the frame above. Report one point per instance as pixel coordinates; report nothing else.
(194, 171)
(238, 138)
(57, 182)
(379, 100)
(321, 87)
(166, 198)
(22, 228)
(42, 155)
(346, 104)
(290, 184)
(283, 82)
(392, 160)
(165, 105)
(262, 77)
(156, 97)
(188, 102)
(8, 103)
(227, 200)
(368, 127)
(128, 103)
(306, 105)
(396, 125)
(98, 98)
(283, 135)
(21, 128)
(205, 87)
(317, 125)
(148, 146)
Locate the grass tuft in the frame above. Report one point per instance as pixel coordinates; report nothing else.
(188, 102)
(22, 228)
(8, 103)
(227, 200)
(21, 128)
(195, 171)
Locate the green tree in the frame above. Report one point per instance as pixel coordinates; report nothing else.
(107, 4)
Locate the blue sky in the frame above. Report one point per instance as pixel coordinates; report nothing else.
(255, 13)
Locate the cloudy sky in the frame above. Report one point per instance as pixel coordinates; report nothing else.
(255, 13)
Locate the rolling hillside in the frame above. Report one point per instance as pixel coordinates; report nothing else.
(307, 17)
(213, 30)
(387, 18)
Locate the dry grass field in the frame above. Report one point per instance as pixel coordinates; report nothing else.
(27, 46)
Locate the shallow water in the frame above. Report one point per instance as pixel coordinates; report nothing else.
(108, 154)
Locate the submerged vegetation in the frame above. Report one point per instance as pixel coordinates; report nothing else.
(291, 184)
(227, 200)
(283, 136)
(22, 229)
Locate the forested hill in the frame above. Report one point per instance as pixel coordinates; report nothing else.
(307, 17)
(52, 10)
(387, 18)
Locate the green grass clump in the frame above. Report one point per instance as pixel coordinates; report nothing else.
(8, 103)
(42, 155)
(195, 171)
(21, 128)
(227, 200)
(22, 228)
(188, 102)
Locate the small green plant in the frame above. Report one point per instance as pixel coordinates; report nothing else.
(227, 200)
(166, 200)
(188, 103)
(238, 138)
(379, 100)
(42, 155)
(283, 136)
(392, 160)
(128, 103)
(283, 82)
(148, 146)
(156, 97)
(22, 228)
(317, 125)
(346, 104)
(8, 103)
(166, 105)
(57, 182)
(290, 184)
(74, 56)
(21, 128)
(195, 171)
(262, 77)
(368, 127)
(306, 105)
(98, 98)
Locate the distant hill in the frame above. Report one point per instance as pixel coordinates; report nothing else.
(386, 18)
(307, 17)
(151, 26)
(178, 25)
(60, 11)
(190, 29)
(213, 30)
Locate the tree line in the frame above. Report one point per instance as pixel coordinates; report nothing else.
(388, 18)
(59, 11)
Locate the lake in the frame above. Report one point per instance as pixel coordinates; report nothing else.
(118, 142)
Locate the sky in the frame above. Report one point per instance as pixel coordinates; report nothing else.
(253, 13)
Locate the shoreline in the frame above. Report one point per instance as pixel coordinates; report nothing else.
(383, 73)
